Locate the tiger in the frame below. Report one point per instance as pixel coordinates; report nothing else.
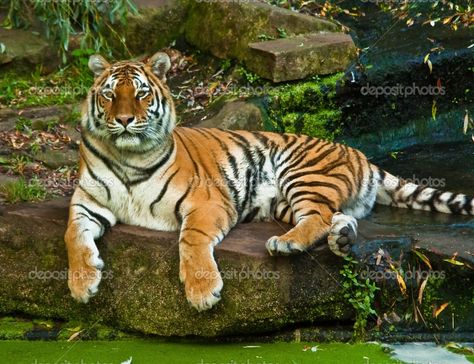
(138, 167)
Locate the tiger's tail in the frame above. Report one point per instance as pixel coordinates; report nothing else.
(394, 191)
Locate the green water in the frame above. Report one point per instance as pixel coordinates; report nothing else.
(150, 351)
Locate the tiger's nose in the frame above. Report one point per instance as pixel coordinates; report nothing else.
(124, 119)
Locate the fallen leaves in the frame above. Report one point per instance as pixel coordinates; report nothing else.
(75, 336)
(423, 258)
(421, 290)
(454, 261)
(439, 309)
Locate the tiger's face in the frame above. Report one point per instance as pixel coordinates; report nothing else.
(129, 105)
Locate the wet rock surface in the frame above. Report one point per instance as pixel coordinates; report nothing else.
(392, 99)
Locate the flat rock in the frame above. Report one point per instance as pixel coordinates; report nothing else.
(9, 116)
(57, 158)
(25, 50)
(236, 115)
(141, 291)
(302, 56)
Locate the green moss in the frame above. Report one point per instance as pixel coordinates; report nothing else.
(15, 328)
(12, 328)
(65, 86)
(308, 108)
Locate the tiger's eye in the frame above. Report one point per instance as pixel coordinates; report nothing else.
(108, 94)
(141, 94)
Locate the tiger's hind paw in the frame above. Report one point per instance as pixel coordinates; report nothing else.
(343, 234)
(277, 245)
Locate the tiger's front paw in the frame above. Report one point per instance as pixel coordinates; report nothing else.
(202, 284)
(278, 245)
(343, 234)
(84, 275)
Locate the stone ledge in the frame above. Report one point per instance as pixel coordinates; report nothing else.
(261, 294)
(301, 56)
(144, 293)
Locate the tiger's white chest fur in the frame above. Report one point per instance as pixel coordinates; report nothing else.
(132, 205)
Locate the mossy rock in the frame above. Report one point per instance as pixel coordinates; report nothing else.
(24, 51)
(153, 28)
(140, 290)
(309, 108)
(13, 328)
(226, 28)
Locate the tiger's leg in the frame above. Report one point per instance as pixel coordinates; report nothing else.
(202, 228)
(313, 222)
(87, 222)
(342, 233)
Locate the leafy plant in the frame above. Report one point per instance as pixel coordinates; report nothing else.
(22, 190)
(360, 294)
(35, 147)
(23, 124)
(249, 76)
(264, 37)
(92, 20)
(17, 163)
(282, 33)
(225, 64)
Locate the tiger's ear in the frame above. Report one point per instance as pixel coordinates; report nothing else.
(98, 64)
(160, 64)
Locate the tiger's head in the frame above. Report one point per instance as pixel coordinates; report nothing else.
(129, 106)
